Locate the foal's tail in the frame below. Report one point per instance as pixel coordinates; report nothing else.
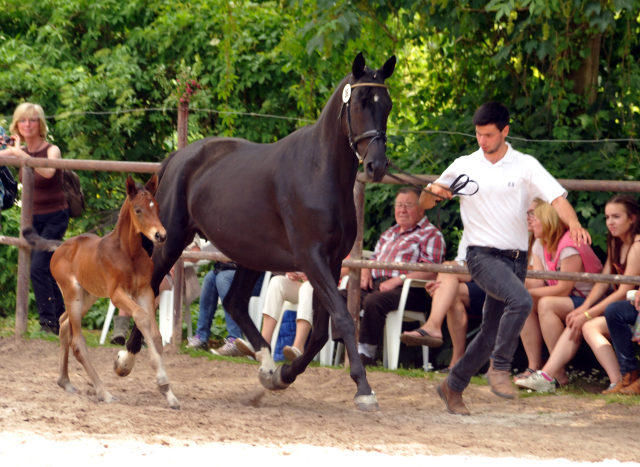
(39, 243)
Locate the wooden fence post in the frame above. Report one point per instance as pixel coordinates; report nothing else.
(24, 254)
(178, 269)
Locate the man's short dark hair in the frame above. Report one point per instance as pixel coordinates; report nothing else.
(492, 112)
(406, 190)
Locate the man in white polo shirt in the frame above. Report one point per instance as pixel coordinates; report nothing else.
(495, 227)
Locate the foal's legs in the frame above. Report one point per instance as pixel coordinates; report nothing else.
(178, 237)
(144, 317)
(66, 335)
(78, 303)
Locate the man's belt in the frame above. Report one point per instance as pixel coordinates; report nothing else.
(513, 254)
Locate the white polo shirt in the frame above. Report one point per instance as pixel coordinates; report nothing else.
(496, 216)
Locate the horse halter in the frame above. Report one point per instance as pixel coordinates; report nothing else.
(373, 134)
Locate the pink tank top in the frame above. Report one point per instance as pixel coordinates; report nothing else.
(590, 261)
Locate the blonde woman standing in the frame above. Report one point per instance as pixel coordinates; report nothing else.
(50, 209)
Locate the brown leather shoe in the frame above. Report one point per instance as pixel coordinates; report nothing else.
(452, 399)
(633, 388)
(500, 382)
(624, 384)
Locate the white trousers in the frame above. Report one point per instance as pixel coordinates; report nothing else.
(282, 289)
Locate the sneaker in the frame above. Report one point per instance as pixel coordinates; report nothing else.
(229, 349)
(537, 382)
(196, 344)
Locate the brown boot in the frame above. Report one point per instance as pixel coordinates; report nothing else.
(633, 388)
(120, 329)
(452, 399)
(500, 382)
(625, 381)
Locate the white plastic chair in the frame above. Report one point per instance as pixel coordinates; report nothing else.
(393, 328)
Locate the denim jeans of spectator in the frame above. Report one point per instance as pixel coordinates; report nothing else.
(214, 287)
(620, 316)
(49, 299)
(506, 308)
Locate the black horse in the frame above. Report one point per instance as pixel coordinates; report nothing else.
(286, 206)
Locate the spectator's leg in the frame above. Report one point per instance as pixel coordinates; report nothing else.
(208, 305)
(552, 311)
(562, 353)
(597, 335)
(457, 322)
(49, 300)
(531, 336)
(619, 315)
(280, 290)
(304, 317)
(223, 283)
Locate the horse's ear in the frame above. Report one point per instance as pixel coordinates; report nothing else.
(387, 68)
(357, 69)
(152, 185)
(131, 187)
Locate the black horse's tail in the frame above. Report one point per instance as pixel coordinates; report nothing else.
(39, 243)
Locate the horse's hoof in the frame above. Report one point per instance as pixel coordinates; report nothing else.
(124, 363)
(107, 398)
(273, 380)
(367, 403)
(175, 407)
(67, 386)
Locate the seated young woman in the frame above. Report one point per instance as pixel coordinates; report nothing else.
(553, 250)
(623, 257)
(623, 221)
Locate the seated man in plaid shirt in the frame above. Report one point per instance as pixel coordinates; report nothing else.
(412, 239)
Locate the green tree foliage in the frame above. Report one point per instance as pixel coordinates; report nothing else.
(568, 69)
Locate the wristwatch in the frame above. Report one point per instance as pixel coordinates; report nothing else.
(403, 277)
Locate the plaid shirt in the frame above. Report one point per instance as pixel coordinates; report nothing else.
(423, 243)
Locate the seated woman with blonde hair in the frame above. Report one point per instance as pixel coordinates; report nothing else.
(553, 250)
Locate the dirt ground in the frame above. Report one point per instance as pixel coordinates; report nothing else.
(317, 410)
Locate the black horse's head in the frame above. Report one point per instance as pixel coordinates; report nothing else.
(368, 104)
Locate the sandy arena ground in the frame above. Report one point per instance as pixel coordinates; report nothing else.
(313, 422)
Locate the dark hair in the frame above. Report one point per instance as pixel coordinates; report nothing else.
(407, 190)
(614, 244)
(491, 112)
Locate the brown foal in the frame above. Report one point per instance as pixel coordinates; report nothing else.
(87, 267)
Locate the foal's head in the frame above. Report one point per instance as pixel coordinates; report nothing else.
(143, 210)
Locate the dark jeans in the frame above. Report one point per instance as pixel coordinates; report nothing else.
(216, 286)
(377, 305)
(506, 308)
(49, 299)
(619, 316)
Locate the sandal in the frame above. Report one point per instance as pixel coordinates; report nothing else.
(424, 339)
(525, 374)
(290, 352)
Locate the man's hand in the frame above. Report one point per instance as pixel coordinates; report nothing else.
(427, 200)
(390, 284)
(579, 234)
(366, 281)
